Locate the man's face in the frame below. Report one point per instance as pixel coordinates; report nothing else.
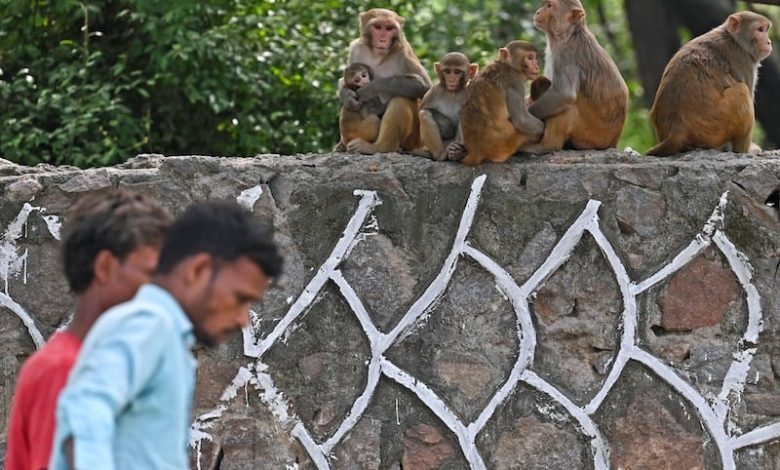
(224, 304)
(136, 269)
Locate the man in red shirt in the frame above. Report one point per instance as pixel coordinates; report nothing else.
(110, 247)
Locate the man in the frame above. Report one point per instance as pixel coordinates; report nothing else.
(127, 402)
(109, 248)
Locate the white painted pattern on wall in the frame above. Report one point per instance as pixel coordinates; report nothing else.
(715, 413)
(13, 263)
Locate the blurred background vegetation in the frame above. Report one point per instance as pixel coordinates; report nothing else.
(94, 83)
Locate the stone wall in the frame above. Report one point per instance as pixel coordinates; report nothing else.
(575, 311)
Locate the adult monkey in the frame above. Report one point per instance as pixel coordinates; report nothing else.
(495, 118)
(440, 107)
(705, 99)
(587, 104)
(399, 80)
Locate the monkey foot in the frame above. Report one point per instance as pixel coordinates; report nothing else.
(340, 147)
(456, 152)
(361, 146)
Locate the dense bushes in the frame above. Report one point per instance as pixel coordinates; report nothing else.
(95, 83)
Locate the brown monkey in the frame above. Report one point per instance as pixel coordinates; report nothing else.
(705, 98)
(494, 118)
(440, 107)
(587, 104)
(399, 81)
(363, 123)
(538, 88)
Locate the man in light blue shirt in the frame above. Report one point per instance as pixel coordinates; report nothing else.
(127, 402)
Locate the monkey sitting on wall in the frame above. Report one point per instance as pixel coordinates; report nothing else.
(705, 98)
(440, 107)
(363, 123)
(586, 106)
(399, 80)
(495, 119)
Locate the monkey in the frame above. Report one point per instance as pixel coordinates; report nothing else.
(587, 104)
(538, 88)
(705, 98)
(441, 105)
(363, 123)
(399, 81)
(494, 118)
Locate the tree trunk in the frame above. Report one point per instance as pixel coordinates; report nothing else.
(654, 19)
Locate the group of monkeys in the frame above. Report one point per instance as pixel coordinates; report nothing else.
(704, 100)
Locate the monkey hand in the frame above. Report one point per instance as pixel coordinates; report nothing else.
(367, 92)
(349, 99)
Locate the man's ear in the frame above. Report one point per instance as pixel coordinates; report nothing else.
(198, 269)
(104, 266)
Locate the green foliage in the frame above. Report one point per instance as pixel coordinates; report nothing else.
(95, 83)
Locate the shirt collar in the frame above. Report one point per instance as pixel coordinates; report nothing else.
(156, 294)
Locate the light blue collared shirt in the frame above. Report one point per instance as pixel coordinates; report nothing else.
(127, 401)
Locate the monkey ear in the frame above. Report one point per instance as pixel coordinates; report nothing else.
(437, 67)
(401, 21)
(732, 24)
(503, 54)
(577, 15)
(473, 69)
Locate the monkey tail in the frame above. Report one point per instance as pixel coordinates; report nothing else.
(665, 148)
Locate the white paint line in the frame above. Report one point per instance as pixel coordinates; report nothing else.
(757, 436)
(367, 203)
(562, 251)
(372, 333)
(734, 382)
(439, 408)
(17, 309)
(270, 395)
(628, 317)
(711, 420)
(618, 364)
(249, 197)
(439, 284)
(358, 407)
(320, 460)
(599, 446)
(242, 378)
(54, 225)
(694, 249)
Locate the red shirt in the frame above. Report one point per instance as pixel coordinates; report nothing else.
(43, 376)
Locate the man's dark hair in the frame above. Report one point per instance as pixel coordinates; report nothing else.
(119, 222)
(224, 230)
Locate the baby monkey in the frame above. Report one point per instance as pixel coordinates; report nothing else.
(364, 123)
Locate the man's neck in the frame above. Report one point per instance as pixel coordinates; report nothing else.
(88, 309)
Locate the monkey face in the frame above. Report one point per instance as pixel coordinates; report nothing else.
(530, 65)
(383, 32)
(558, 16)
(761, 39)
(360, 78)
(544, 15)
(453, 78)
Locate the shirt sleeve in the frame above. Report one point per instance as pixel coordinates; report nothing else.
(119, 356)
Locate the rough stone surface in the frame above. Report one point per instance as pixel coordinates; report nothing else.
(649, 438)
(698, 296)
(462, 350)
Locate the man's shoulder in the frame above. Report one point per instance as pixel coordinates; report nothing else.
(57, 356)
(135, 312)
